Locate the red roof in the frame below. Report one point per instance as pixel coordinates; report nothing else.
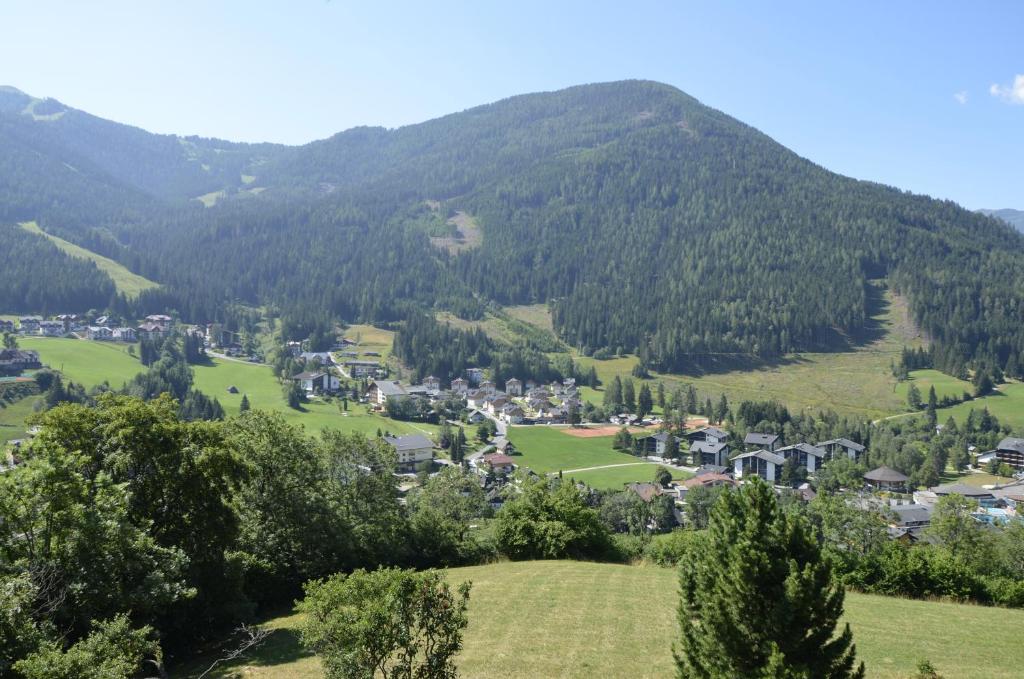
(498, 459)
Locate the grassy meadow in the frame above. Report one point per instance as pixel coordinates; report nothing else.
(857, 382)
(84, 362)
(1007, 403)
(126, 282)
(572, 619)
(550, 449)
(614, 478)
(12, 418)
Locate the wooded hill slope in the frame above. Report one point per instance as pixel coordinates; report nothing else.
(649, 221)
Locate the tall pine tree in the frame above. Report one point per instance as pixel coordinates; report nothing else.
(758, 600)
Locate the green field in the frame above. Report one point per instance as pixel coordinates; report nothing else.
(126, 282)
(945, 385)
(1007, 404)
(858, 382)
(613, 478)
(572, 619)
(84, 362)
(12, 418)
(258, 383)
(549, 449)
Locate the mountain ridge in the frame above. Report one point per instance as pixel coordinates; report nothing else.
(648, 221)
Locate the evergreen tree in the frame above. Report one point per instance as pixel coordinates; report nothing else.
(913, 396)
(930, 412)
(722, 410)
(671, 448)
(645, 401)
(691, 400)
(613, 396)
(244, 406)
(759, 600)
(661, 395)
(628, 395)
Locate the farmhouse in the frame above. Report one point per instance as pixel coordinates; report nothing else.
(761, 463)
(99, 333)
(29, 325)
(412, 450)
(499, 463)
(842, 446)
(51, 328)
(1011, 451)
(460, 385)
(124, 334)
(755, 440)
(380, 391)
(152, 331)
(806, 455)
(708, 453)
(14, 361)
(317, 382)
(359, 369)
(433, 384)
(514, 387)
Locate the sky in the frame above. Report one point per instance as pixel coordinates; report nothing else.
(925, 96)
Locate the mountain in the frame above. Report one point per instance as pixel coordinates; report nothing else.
(648, 221)
(1014, 218)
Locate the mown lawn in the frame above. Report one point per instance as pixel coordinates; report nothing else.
(1007, 404)
(126, 282)
(549, 449)
(258, 383)
(572, 619)
(945, 385)
(84, 362)
(371, 339)
(614, 478)
(12, 418)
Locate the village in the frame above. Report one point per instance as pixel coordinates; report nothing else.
(704, 456)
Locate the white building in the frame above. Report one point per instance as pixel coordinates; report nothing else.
(412, 450)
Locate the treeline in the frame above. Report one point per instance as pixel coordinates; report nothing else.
(429, 347)
(37, 277)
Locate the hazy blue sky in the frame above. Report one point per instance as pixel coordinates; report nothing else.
(927, 96)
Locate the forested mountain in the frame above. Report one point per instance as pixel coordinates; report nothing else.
(1014, 218)
(648, 221)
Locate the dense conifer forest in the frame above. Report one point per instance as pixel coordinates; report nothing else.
(648, 222)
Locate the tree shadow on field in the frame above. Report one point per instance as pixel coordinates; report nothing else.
(281, 647)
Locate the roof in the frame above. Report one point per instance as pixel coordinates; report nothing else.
(513, 380)
(845, 443)
(711, 431)
(646, 491)
(1010, 443)
(912, 513)
(372, 364)
(709, 479)
(758, 439)
(389, 387)
(705, 447)
(762, 455)
(308, 376)
(409, 442)
(804, 448)
(886, 474)
(498, 459)
(961, 489)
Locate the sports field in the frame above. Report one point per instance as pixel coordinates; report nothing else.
(550, 449)
(571, 619)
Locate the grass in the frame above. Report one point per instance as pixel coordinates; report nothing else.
(372, 339)
(126, 282)
(614, 478)
(537, 315)
(945, 385)
(857, 382)
(572, 619)
(549, 449)
(12, 418)
(974, 479)
(84, 362)
(258, 383)
(1007, 404)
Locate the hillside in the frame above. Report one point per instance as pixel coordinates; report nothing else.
(652, 224)
(571, 619)
(1014, 218)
